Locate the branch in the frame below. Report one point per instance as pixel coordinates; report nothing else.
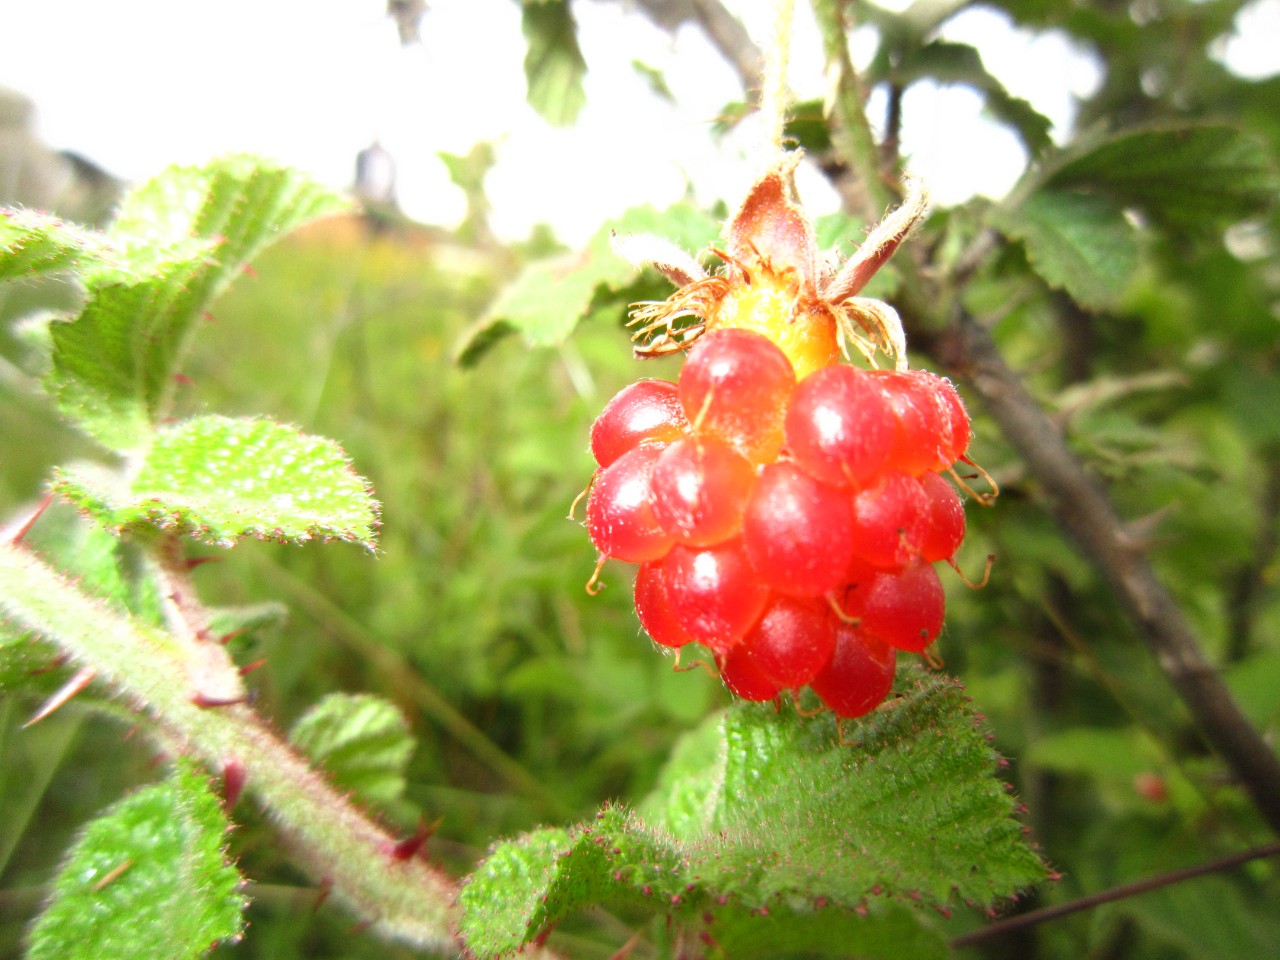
(1082, 509)
(404, 899)
(1078, 501)
(1012, 924)
(721, 27)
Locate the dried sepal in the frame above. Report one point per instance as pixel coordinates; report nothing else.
(880, 244)
(774, 281)
(769, 230)
(645, 249)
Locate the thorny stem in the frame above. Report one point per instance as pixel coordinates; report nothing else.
(210, 671)
(404, 899)
(1004, 927)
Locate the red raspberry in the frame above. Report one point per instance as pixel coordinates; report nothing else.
(797, 531)
(620, 509)
(713, 592)
(735, 386)
(792, 640)
(654, 610)
(840, 426)
(903, 609)
(931, 426)
(889, 520)
(759, 505)
(700, 488)
(644, 410)
(944, 523)
(858, 676)
(744, 678)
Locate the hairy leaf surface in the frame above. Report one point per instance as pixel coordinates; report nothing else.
(149, 878)
(219, 480)
(182, 238)
(765, 817)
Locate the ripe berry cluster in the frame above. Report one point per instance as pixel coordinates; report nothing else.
(791, 527)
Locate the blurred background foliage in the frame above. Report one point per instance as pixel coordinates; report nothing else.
(533, 702)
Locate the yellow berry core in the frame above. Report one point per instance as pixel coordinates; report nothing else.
(771, 306)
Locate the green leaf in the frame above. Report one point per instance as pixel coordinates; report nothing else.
(149, 878)
(809, 126)
(762, 814)
(361, 740)
(33, 243)
(182, 238)
(958, 63)
(220, 480)
(1076, 242)
(909, 806)
(553, 65)
(1206, 918)
(877, 931)
(1181, 174)
(549, 297)
(524, 885)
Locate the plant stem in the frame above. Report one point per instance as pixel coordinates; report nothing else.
(345, 850)
(1081, 506)
(400, 676)
(773, 98)
(1003, 927)
(1078, 501)
(851, 132)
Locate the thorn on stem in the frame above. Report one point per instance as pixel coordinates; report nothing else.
(322, 894)
(79, 680)
(409, 847)
(233, 780)
(25, 527)
(205, 701)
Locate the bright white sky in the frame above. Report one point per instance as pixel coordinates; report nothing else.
(137, 84)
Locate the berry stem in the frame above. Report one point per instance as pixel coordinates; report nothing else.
(852, 130)
(774, 95)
